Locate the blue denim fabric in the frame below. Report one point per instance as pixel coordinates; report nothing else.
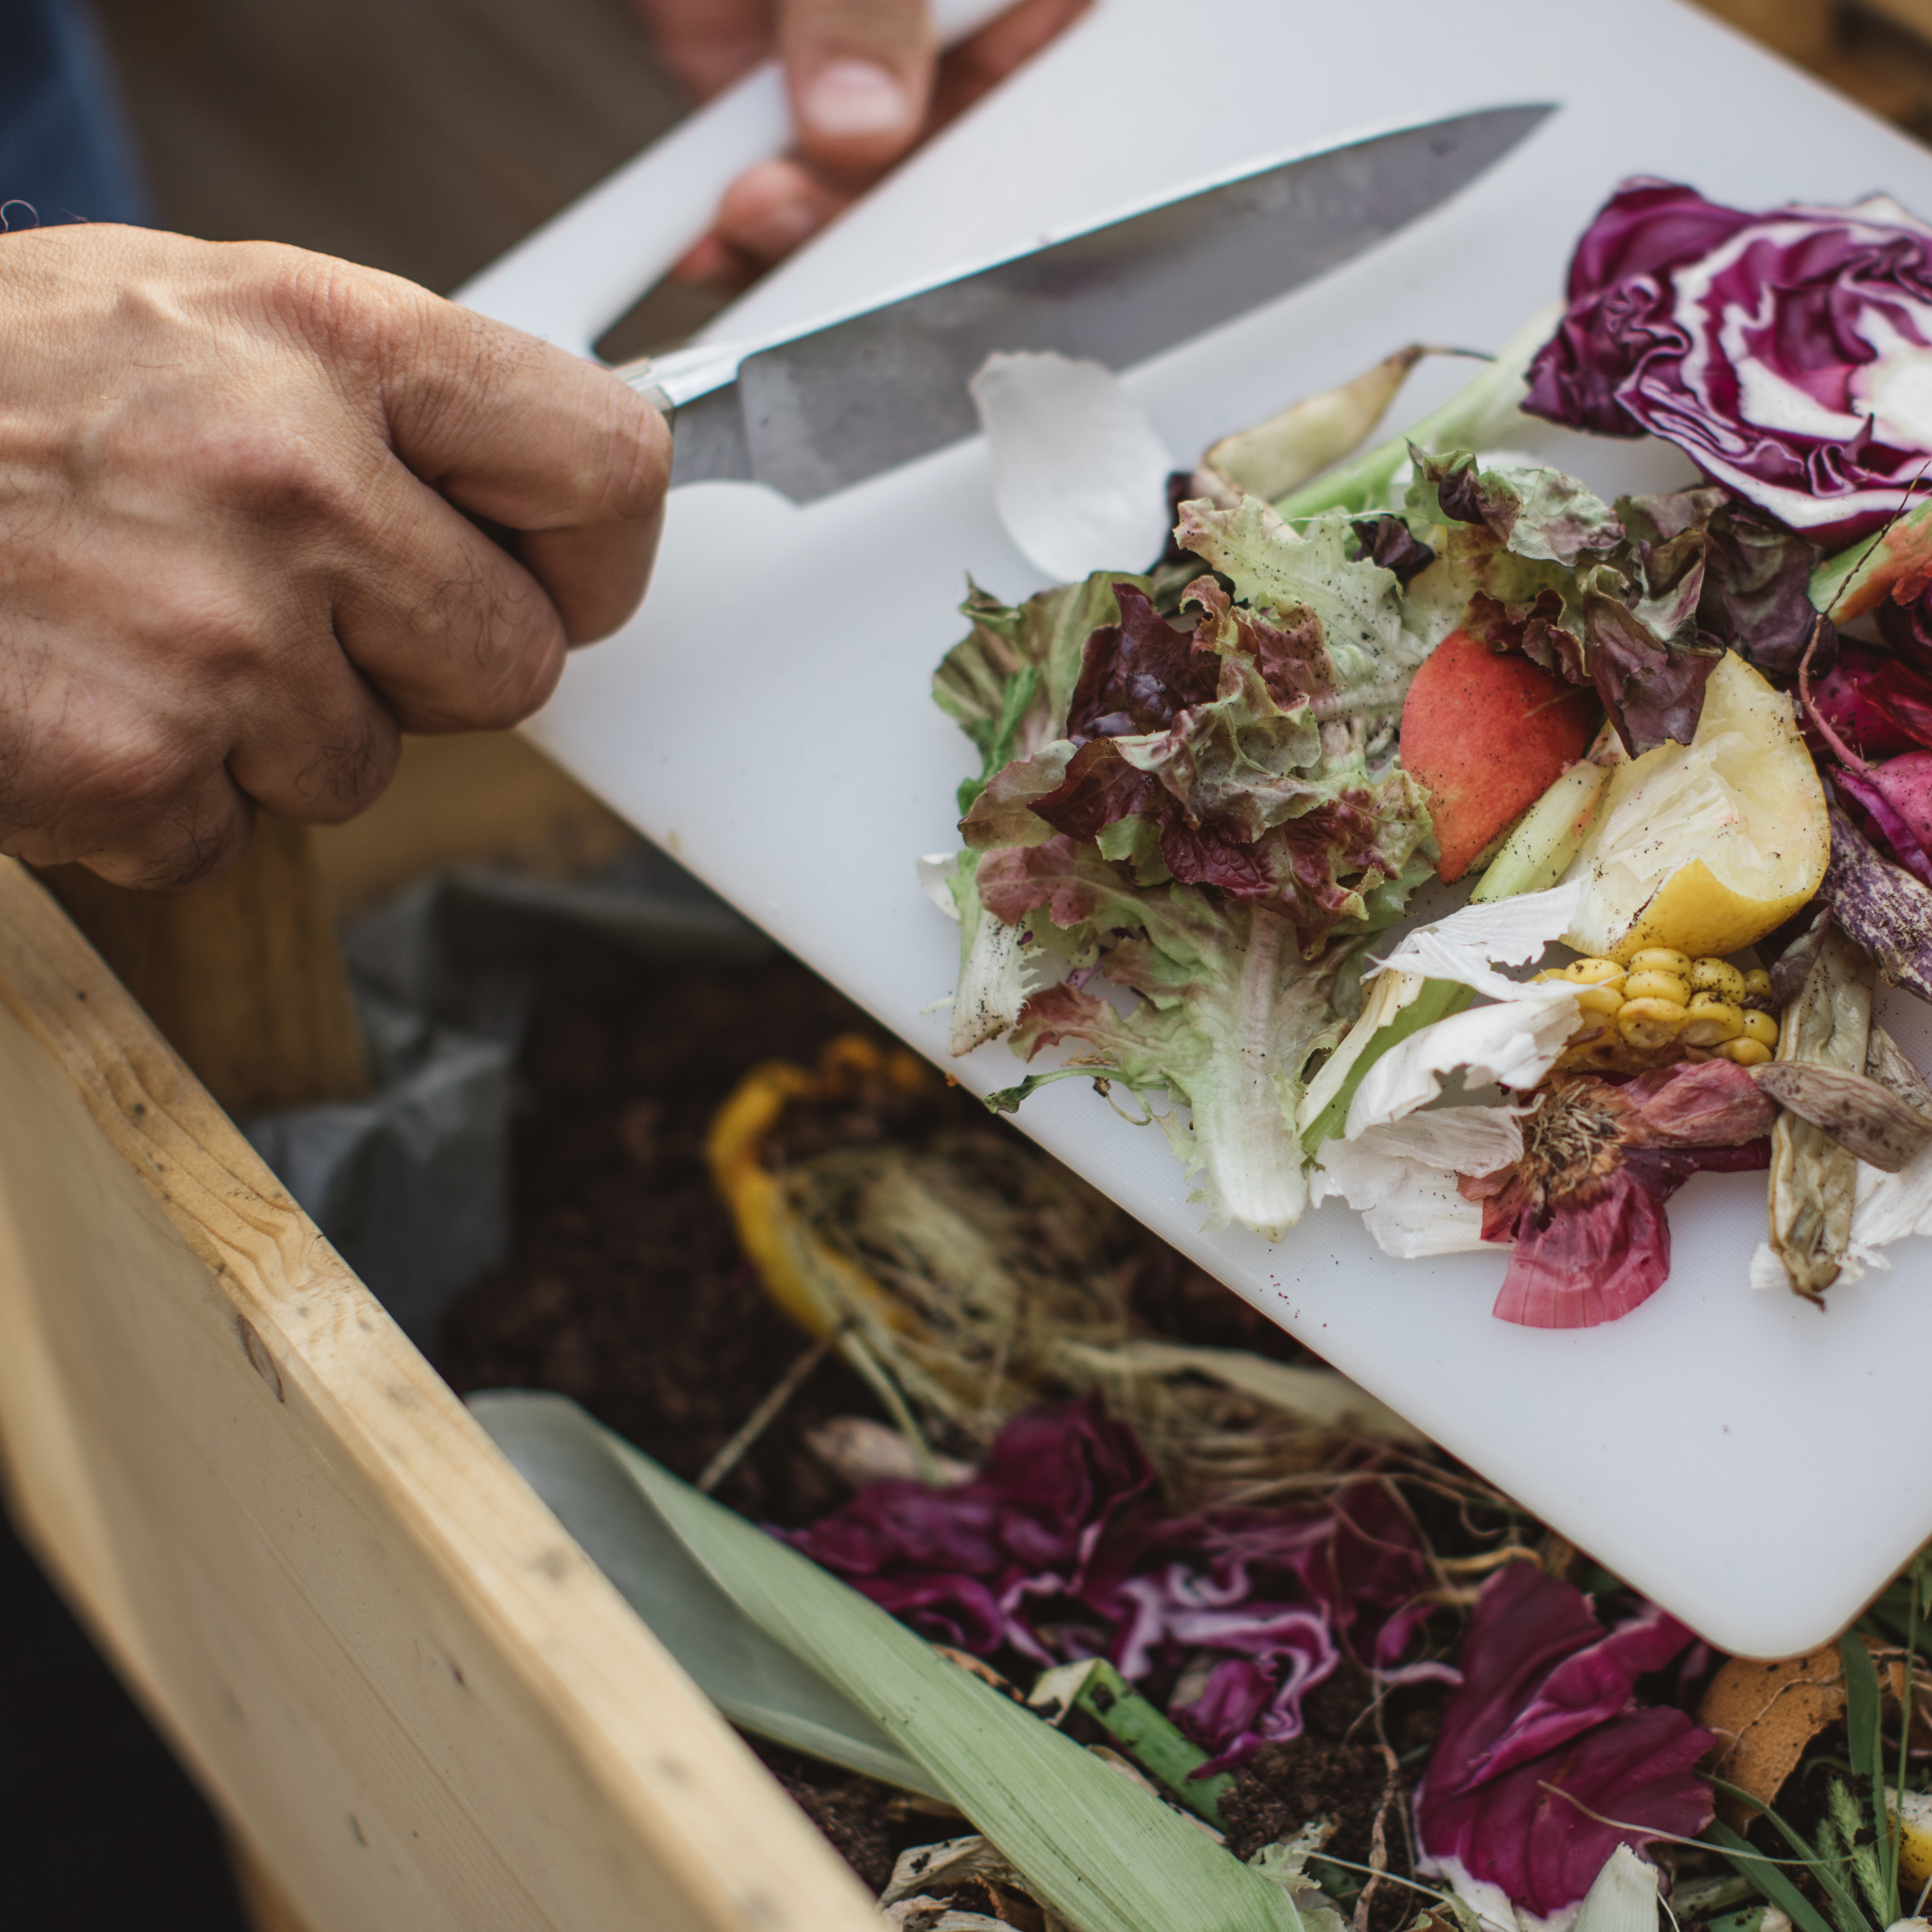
(65, 150)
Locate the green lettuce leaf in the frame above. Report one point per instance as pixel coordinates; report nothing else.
(1229, 1016)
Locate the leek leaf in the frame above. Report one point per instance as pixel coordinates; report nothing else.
(1104, 1854)
(757, 1683)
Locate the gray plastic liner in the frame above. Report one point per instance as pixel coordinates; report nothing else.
(411, 1184)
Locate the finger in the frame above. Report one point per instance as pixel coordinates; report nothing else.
(860, 74)
(318, 744)
(558, 453)
(711, 262)
(977, 65)
(706, 44)
(134, 794)
(453, 632)
(769, 209)
(201, 833)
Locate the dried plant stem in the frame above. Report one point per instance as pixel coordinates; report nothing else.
(1379, 1841)
(762, 1417)
(1847, 756)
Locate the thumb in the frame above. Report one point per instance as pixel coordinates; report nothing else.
(860, 75)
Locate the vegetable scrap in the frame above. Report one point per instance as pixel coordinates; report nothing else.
(1391, 1693)
(1213, 782)
(1113, 1608)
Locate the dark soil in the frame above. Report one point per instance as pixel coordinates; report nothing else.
(868, 1823)
(1337, 1769)
(626, 1291)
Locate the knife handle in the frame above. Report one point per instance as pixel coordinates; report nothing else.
(569, 279)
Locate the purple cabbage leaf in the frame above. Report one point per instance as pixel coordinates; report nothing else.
(1783, 353)
(1055, 1550)
(1545, 1713)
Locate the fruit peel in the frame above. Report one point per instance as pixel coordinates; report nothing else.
(1486, 735)
(1705, 848)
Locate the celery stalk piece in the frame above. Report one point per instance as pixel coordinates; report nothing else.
(1479, 414)
(1548, 836)
(1160, 1748)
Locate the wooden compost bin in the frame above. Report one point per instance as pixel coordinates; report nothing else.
(415, 1701)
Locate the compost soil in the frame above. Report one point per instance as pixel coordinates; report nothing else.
(626, 1291)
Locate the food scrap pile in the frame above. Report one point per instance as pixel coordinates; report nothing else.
(1675, 750)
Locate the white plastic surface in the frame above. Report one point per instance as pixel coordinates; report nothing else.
(578, 273)
(1758, 1467)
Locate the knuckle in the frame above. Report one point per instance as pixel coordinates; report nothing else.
(520, 679)
(257, 472)
(199, 841)
(349, 767)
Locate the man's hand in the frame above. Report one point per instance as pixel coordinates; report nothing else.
(865, 86)
(260, 511)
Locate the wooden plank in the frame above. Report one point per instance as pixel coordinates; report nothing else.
(241, 974)
(485, 798)
(407, 1688)
(1801, 29)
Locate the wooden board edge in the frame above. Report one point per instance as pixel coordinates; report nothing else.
(708, 1813)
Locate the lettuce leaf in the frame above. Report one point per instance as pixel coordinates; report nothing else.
(1550, 570)
(1228, 1016)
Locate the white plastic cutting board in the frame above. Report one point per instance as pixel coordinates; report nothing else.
(1757, 1467)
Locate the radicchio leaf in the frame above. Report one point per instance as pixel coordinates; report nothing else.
(1545, 1709)
(1887, 805)
(1776, 350)
(1645, 230)
(1876, 703)
(1054, 1551)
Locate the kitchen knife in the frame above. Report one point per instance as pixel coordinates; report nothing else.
(816, 412)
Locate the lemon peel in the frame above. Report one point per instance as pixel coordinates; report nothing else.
(1705, 847)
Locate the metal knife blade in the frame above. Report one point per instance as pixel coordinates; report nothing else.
(815, 412)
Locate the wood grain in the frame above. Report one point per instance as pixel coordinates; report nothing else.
(242, 973)
(407, 1688)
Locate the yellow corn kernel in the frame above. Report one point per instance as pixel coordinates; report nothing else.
(1653, 983)
(1719, 977)
(1593, 972)
(1762, 1027)
(1758, 981)
(1648, 1023)
(1710, 1021)
(1599, 999)
(1745, 1051)
(1661, 959)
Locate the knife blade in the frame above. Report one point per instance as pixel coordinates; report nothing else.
(816, 412)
